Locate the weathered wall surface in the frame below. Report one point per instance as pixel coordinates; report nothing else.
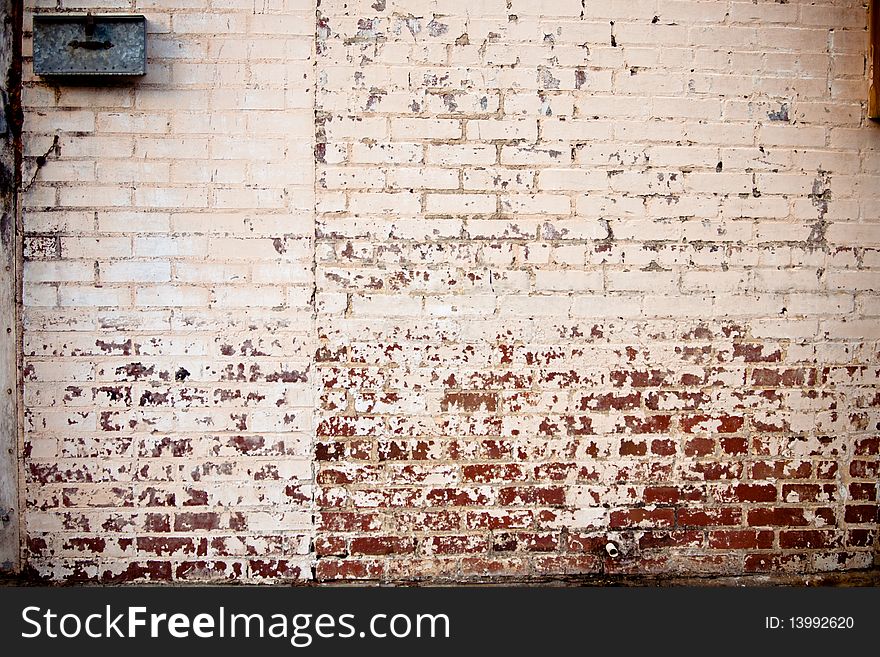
(581, 271)
(167, 303)
(590, 270)
(10, 271)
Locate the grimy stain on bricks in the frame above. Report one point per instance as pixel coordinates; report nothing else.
(363, 291)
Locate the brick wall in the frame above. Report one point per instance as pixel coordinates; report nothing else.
(168, 304)
(558, 274)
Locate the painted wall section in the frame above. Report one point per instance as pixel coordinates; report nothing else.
(592, 270)
(168, 290)
(472, 290)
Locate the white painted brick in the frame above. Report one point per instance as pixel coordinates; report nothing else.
(677, 306)
(145, 271)
(849, 233)
(460, 204)
(561, 279)
(572, 179)
(647, 281)
(168, 295)
(94, 196)
(422, 178)
(382, 305)
(384, 153)
(170, 197)
(240, 296)
(39, 295)
(82, 296)
(170, 245)
(555, 154)
(425, 129)
(58, 271)
(493, 130)
(213, 272)
(351, 178)
(401, 202)
(546, 204)
(60, 121)
(460, 306)
(534, 306)
(498, 179)
(605, 306)
(461, 155)
(96, 247)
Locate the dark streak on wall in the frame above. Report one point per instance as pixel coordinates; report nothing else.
(10, 279)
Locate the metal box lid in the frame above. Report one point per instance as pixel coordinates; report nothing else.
(83, 44)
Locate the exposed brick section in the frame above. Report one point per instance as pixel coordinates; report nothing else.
(363, 291)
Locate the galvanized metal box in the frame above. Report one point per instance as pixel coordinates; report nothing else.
(83, 44)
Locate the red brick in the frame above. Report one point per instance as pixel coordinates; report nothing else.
(525, 541)
(861, 537)
(335, 569)
(633, 448)
(609, 401)
(381, 545)
(533, 495)
(140, 571)
(491, 567)
(809, 539)
(492, 473)
(699, 446)
(509, 519)
(456, 497)
(171, 546)
(184, 522)
(787, 516)
(741, 540)
(714, 470)
(809, 493)
(867, 446)
(864, 469)
(862, 491)
(862, 513)
(781, 469)
(672, 494)
(275, 569)
(786, 378)
(582, 542)
(779, 516)
(331, 546)
(663, 447)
